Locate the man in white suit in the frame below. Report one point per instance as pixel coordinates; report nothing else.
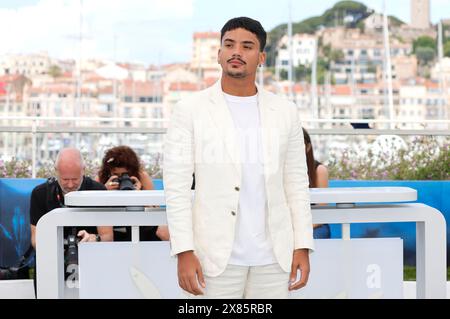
(247, 232)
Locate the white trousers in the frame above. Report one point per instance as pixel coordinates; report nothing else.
(249, 282)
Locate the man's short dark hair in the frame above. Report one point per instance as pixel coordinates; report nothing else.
(248, 24)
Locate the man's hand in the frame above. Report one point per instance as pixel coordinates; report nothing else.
(110, 184)
(189, 269)
(163, 232)
(136, 182)
(300, 261)
(85, 236)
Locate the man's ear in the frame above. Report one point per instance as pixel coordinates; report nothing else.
(262, 58)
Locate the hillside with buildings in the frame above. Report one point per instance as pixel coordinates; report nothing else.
(338, 62)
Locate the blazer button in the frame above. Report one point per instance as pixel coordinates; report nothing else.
(237, 188)
(233, 213)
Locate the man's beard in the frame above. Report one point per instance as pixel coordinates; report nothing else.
(236, 75)
(65, 191)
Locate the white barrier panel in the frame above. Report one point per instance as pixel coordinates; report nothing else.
(356, 269)
(430, 230)
(17, 289)
(359, 268)
(127, 270)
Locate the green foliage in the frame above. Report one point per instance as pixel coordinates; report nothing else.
(283, 74)
(371, 67)
(54, 71)
(447, 49)
(15, 169)
(303, 73)
(425, 55)
(395, 22)
(331, 17)
(337, 55)
(22, 168)
(350, 6)
(422, 159)
(424, 42)
(409, 273)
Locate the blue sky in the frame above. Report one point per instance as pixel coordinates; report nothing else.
(150, 31)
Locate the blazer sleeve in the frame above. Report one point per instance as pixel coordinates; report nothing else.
(296, 184)
(177, 170)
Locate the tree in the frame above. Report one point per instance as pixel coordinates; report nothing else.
(371, 67)
(337, 55)
(54, 71)
(329, 18)
(447, 49)
(302, 73)
(425, 55)
(424, 42)
(283, 74)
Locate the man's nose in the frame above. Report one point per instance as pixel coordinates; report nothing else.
(237, 52)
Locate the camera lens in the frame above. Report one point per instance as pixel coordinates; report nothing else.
(126, 183)
(72, 250)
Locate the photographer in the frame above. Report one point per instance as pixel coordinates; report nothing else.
(69, 168)
(122, 170)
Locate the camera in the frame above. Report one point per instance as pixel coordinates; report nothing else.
(125, 182)
(72, 250)
(9, 273)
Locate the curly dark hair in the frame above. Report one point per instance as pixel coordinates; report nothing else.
(119, 156)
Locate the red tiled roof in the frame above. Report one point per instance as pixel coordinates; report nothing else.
(105, 90)
(431, 85)
(184, 86)
(367, 85)
(56, 89)
(297, 88)
(207, 35)
(341, 90)
(2, 88)
(140, 88)
(10, 77)
(210, 81)
(418, 81)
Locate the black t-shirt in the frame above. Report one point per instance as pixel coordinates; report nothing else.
(48, 196)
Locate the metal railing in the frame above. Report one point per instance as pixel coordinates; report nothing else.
(38, 126)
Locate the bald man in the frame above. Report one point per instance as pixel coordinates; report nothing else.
(69, 168)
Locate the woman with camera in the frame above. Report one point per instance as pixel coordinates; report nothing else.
(122, 170)
(119, 163)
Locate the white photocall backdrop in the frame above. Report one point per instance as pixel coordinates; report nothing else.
(357, 268)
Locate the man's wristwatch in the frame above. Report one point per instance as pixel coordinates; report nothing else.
(98, 238)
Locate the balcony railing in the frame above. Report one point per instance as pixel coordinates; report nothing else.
(37, 129)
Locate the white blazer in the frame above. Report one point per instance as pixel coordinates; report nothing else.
(201, 138)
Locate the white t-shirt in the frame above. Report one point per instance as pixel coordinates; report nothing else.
(252, 245)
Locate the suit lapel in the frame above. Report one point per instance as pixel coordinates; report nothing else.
(224, 122)
(269, 127)
(269, 130)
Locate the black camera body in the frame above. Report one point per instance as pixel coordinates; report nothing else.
(125, 183)
(9, 273)
(72, 250)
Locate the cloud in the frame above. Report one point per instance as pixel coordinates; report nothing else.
(53, 25)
